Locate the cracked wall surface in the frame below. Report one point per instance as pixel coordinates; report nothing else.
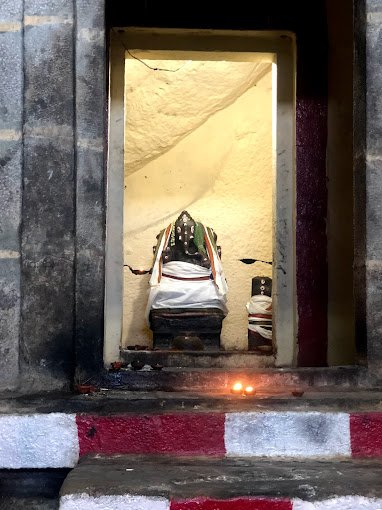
(198, 139)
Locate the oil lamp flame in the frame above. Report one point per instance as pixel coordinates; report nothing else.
(249, 390)
(237, 388)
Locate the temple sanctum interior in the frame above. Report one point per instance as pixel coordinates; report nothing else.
(199, 136)
(224, 157)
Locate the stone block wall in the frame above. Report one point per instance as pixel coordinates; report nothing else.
(52, 194)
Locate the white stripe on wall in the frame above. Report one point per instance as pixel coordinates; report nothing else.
(340, 503)
(38, 441)
(125, 502)
(290, 434)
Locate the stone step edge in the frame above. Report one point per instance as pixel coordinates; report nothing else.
(58, 440)
(222, 379)
(86, 502)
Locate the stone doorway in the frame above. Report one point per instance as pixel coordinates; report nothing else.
(248, 69)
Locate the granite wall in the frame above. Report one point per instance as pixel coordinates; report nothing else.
(52, 194)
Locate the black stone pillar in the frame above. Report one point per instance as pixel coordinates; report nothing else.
(90, 197)
(48, 210)
(374, 185)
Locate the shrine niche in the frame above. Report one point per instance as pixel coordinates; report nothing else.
(204, 136)
(199, 141)
(189, 139)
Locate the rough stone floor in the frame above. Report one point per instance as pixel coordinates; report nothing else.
(30, 503)
(117, 401)
(187, 479)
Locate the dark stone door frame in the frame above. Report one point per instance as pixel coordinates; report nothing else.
(311, 200)
(280, 48)
(90, 271)
(90, 154)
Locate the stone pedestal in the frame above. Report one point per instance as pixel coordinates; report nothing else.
(186, 329)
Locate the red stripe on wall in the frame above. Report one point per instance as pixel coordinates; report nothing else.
(181, 434)
(311, 241)
(366, 434)
(311, 184)
(232, 504)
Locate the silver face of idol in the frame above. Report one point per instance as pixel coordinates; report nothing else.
(181, 243)
(185, 229)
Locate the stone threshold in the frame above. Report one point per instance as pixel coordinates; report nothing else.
(198, 359)
(168, 483)
(221, 379)
(107, 402)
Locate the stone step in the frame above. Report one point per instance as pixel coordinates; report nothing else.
(197, 359)
(112, 402)
(169, 483)
(35, 489)
(17, 503)
(221, 379)
(39, 432)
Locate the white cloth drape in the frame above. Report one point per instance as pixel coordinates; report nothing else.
(170, 293)
(260, 305)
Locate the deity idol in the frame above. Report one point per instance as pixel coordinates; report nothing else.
(187, 285)
(260, 316)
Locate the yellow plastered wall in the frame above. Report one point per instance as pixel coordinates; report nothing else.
(198, 136)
